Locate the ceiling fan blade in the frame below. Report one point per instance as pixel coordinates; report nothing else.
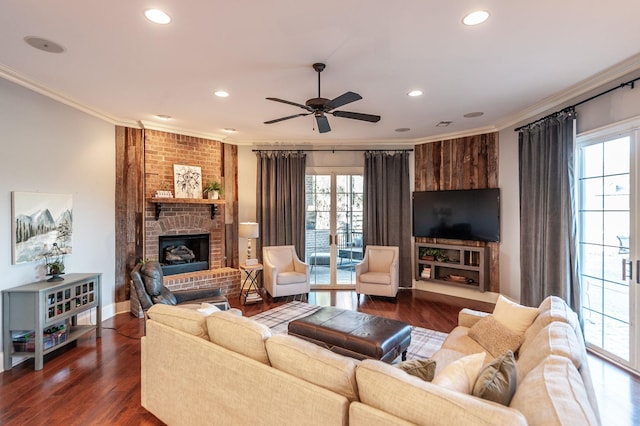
(286, 118)
(357, 116)
(291, 103)
(345, 98)
(323, 123)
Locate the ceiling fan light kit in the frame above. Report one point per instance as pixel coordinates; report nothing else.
(320, 106)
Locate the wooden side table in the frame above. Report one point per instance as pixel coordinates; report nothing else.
(252, 276)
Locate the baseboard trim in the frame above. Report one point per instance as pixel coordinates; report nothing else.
(450, 290)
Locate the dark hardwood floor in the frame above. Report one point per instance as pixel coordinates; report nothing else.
(98, 383)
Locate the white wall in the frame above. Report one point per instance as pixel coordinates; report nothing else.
(616, 106)
(49, 147)
(246, 195)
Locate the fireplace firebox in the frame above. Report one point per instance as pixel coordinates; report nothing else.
(180, 254)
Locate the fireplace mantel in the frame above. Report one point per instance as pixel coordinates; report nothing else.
(159, 201)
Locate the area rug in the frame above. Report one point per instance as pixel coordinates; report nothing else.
(424, 342)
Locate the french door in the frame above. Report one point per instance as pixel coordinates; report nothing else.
(607, 230)
(334, 202)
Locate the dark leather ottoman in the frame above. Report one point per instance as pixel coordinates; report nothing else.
(354, 334)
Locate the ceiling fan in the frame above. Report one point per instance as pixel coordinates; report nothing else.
(320, 106)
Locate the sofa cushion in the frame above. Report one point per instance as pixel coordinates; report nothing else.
(553, 309)
(207, 308)
(461, 375)
(422, 368)
(553, 394)
(494, 336)
(314, 364)
(468, 317)
(444, 357)
(459, 341)
(386, 388)
(181, 318)
(498, 380)
(239, 334)
(557, 338)
(513, 315)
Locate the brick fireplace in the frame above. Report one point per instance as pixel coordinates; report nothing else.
(162, 151)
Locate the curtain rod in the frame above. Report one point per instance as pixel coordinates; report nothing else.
(336, 150)
(630, 83)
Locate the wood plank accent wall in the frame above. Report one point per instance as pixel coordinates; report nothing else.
(462, 163)
(230, 173)
(129, 238)
(134, 187)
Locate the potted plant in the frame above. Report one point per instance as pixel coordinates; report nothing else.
(213, 190)
(437, 254)
(54, 269)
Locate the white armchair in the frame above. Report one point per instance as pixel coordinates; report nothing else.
(377, 274)
(284, 273)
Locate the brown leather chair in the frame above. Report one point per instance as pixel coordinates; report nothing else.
(147, 279)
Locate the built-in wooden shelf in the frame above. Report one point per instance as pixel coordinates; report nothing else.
(160, 201)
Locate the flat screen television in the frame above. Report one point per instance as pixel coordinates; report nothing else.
(470, 214)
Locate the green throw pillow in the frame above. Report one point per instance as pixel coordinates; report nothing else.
(422, 368)
(497, 381)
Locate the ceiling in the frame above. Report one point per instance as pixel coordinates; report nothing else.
(121, 67)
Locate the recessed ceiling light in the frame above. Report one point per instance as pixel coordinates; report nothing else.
(163, 116)
(402, 129)
(415, 93)
(157, 16)
(221, 93)
(475, 18)
(229, 130)
(44, 44)
(473, 114)
(443, 123)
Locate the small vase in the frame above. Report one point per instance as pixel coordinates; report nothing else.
(213, 195)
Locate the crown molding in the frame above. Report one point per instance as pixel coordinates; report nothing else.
(455, 135)
(371, 143)
(569, 96)
(10, 75)
(151, 125)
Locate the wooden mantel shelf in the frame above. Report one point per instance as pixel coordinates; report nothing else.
(160, 201)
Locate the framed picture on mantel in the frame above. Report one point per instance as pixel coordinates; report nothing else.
(187, 181)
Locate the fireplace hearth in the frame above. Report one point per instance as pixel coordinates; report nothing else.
(180, 254)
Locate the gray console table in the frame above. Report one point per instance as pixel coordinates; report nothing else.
(36, 306)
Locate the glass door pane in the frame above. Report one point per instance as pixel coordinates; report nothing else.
(318, 227)
(349, 214)
(334, 215)
(604, 220)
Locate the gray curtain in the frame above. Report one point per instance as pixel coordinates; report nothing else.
(280, 202)
(548, 254)
(387, 206)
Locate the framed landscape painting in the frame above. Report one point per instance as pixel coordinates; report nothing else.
(38, 221)
(187, 181)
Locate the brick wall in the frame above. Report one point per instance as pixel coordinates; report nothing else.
(162, 151)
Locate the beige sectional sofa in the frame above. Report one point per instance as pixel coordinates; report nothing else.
(228, 369)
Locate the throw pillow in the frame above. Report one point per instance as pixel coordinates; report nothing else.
(207, 309)
(498, 380)
(461, 375)
(495, 337)
(515, 316)
(422, 368)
